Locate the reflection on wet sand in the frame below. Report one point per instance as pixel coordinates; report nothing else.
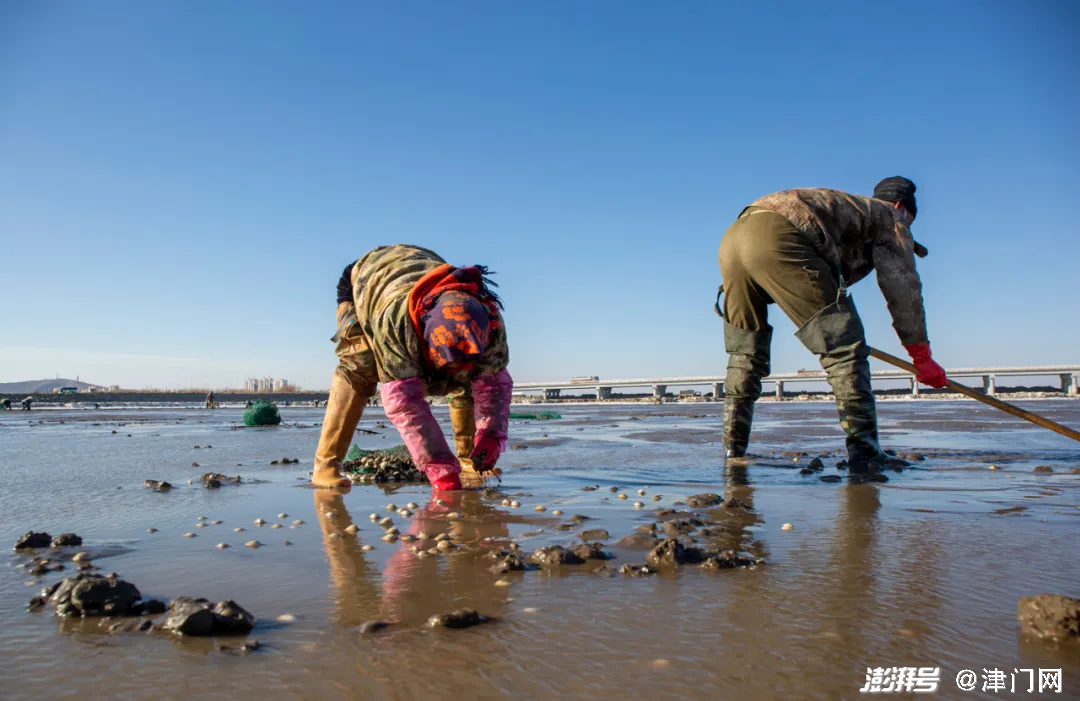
(414, 587)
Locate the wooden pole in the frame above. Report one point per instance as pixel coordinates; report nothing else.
(984, 398)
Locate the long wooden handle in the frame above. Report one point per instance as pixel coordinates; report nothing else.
(984, 398)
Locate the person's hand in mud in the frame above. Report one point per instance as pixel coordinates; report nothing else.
(484, 456)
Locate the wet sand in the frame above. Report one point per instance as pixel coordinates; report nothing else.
(925, 570)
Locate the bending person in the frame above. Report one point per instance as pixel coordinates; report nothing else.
(414, 326)
(801, 249)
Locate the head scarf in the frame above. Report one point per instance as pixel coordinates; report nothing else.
(453, 311)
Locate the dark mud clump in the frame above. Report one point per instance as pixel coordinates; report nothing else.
(243, 650)
(590, 489)
(830, 478)
(189, 616)
(637, 570)
(213, 480)
(1050, 617)
(491, 493)
(157, 485)
(555, 556)
(286, 461)
(728, 560)
(87, 595)
(817, 465)
(671, 553)
(508, 561)
(32, 541)
(1043, 470)
(66, 540)
(594, 534)
(806, 471)
(43, 566)
(700, 501)
(681, 526)
(590, 551)
(464, 618)
(911, 457)
(372, 627)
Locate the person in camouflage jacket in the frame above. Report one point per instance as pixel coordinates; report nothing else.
(413, 326)
(801, 249)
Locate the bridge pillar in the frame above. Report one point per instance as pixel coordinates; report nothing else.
(717, 390)
(659, 391)
(914, 387)
(989, 384)
(551, 393)
(779, 390)
(1068, 383)
(603, 393)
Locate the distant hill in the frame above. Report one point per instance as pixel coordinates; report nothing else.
(39, 386)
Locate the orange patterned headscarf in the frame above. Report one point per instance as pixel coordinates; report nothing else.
(453, 311)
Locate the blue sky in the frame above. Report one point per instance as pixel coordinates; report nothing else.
(181, 183)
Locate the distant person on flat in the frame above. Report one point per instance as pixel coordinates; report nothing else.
(416, 326)
(801, 249)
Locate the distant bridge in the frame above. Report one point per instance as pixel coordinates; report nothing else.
(1068, 376)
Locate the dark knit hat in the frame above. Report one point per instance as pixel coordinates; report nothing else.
(897, 189)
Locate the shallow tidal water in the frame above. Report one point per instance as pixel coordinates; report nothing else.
(924, 571)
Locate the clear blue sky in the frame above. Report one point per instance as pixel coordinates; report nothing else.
(181, 183)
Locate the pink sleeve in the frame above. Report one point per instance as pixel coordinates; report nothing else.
(491, 406)
(407, 409)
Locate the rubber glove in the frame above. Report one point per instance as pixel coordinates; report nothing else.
(927, 371)
(491, 409)
(407, 409)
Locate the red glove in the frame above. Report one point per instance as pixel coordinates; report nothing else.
(485, 453)
(927, 371)
(447, 483)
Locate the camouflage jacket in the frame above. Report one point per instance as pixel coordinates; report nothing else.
(382, 281)
(856, 235)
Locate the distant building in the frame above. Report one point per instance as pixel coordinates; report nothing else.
(279, 385)
(256, 385)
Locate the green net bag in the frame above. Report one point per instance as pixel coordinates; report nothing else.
(262, 413)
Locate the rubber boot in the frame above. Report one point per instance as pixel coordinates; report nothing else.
(836, 335)
(343, 411)
(463, 420)
(748, 362)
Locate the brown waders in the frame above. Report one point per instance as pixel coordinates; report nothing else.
(764, 259)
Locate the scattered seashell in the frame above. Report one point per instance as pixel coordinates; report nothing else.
(502, 583)
(335, 534)
(288, 542)
(422, 535)
(330, 514)
(506, 502)
(390, 537)
(515, 504)
(440, 502)
(238, 530)
(366, 548)
(276, 525)
(216, 523)
(189, 535)
(352, 529)
(200, 525)
(787, 527)
(433, 551)
(253, 544)
(391, 507)
(286, 618)
(201, 518)
(80, 557)
(374, 517)
(221, 546)
(556, 512)
(151, 530)
(993, 467)
(622, 496)
(386, 522)
(638, 505)
(259, 522)
(539, 507)
(656, 497)
(412, 505)
(392, 530)
(298, 522)
(445, 545)
(641, 492)
(283, 516)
